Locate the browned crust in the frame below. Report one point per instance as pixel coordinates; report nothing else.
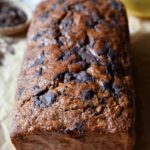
(78, 37)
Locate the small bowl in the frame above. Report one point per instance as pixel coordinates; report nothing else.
(21, 27)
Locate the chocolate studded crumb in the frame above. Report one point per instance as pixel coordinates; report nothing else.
(82, 47)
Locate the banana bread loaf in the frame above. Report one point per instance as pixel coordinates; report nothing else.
(75, 90)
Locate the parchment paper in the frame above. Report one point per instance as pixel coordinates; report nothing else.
(140, 41)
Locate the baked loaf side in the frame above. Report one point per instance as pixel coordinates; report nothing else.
(75, 89)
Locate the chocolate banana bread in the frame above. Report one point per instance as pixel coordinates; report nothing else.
(75, 90)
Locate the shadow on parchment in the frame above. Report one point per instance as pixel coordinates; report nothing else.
(141, 61)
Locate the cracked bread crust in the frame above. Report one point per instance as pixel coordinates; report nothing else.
(76, 75)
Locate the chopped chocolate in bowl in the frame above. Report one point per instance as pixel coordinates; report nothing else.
(11, 16)
(15, 17)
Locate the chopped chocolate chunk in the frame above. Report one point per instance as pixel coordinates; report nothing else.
(65, 24)
(50, 98)
(68, 77)
(65, 8)
(65, 55)
(38, 35)
(87, 94)
(79, 7)
(105, 86)
(39, 72)
(83, 76)
(93, 19)
(53, 6)
(35, 89)
(44, 42)
(39, 60)
(87, 56)
(102, 100)
(37, 102)
(60, 76)
(44, 16)
(20, 91)
(78, 126)
(76, 48)
(45, 100)
(59, 40)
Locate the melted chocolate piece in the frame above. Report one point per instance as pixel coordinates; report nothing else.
(106, 86)
(40, 60)
(65, 24)
(35, 89)
(83, 76)
(87, 56)
(65, 55)
(60, 76)
(45, 100)
(68, 77)
(87, 94)
(50, 98)
(93, 20)
(44, 42)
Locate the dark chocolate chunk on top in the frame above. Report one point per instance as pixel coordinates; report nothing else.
(87, 94)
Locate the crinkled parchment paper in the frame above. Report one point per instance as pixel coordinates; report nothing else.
(140, 40)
